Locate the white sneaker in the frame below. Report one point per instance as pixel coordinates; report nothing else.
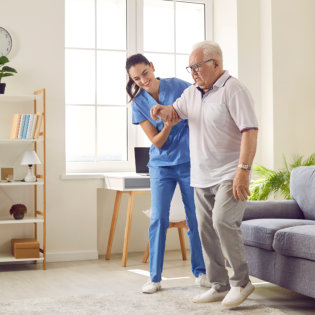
(238, 295)
(202, 281)
(210, 296)
(151, 287)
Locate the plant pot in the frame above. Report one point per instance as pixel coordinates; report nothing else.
(18, 215)
(2, 88)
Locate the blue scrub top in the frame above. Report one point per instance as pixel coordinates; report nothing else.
(176, 148)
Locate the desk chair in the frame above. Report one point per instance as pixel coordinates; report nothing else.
(177, 220)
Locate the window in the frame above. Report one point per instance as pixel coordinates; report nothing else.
(99, 35)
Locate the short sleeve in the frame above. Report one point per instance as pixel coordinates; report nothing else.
(241, 108)
(137, 114)
(180, 105)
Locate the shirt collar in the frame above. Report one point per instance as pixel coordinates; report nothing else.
(222, 79)
(219, 83)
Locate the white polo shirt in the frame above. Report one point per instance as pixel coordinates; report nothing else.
(216, 122)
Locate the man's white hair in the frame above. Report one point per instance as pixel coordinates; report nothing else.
(210, 49)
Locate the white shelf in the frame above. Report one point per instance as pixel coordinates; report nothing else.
(11, 152)
(16, 98)
(25, 220)
(17, 183)
(17, 141)
(9, 258)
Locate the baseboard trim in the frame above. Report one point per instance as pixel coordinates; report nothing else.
(71, 256)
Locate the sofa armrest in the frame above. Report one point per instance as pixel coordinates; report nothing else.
(288, 209)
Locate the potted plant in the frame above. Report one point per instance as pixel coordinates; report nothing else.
(18, 210)
(269, 181)
(5, 71)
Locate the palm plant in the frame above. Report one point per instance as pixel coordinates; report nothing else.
(270, 181)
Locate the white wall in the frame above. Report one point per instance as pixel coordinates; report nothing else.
(225, 32)
(293, 42)
(268, 44)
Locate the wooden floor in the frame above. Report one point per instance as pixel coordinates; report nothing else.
(94, 277)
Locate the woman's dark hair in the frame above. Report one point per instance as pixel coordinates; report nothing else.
(132, 88)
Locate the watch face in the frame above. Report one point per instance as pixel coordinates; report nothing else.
(5, 42)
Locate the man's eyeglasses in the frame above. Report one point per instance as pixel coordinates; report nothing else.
(196, 66)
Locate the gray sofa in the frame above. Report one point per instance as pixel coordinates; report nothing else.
(279, 236)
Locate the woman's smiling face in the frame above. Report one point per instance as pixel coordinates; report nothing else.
(143, 76)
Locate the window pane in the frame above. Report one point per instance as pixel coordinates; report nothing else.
(111, 24)
(190, 27)
(112, 133)
(80, 76)
(158, 25)
(181, 63)
(80, 133)
(163, 64)
(79, 23)
(111, 78)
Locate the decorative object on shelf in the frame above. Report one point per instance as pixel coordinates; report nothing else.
(30, 158)
(18, 210)
(25, 248)
(5, 71)
(7, 174)
(5, 42)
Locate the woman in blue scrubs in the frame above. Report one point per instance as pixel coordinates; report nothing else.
(169, 164)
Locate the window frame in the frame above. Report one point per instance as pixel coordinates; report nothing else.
(134, 44)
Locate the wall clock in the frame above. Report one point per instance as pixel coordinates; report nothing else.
(5, 42)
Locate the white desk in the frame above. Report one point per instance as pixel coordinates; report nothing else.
(132, 184)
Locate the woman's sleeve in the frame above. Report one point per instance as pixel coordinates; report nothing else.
(137, 114)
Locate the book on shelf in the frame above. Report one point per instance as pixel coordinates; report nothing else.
(21, 126)
(38, 124)
(31, 127)
(15, 126)
(26, 126)
(27, 118)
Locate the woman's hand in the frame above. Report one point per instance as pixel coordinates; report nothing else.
(165, 112)
(172, 121)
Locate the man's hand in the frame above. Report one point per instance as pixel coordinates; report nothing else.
(241, 185)
(166, 113)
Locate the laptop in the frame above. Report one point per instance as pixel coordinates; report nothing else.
(142, 157)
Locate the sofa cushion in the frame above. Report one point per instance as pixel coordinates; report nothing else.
(260, 232)
(302, 189)
(296, 241)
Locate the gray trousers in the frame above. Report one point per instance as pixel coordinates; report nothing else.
(219, 218)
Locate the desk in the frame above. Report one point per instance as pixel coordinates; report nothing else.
(131, 184)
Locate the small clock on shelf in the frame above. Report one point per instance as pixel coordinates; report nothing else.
(5, 42)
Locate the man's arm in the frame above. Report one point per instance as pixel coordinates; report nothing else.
(166, 113)
(247, 154)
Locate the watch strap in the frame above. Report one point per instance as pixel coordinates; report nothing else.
(244, 167)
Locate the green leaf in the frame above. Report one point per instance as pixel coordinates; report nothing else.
(310, 161)
(8, 69)
(6, 75)
(3, 60)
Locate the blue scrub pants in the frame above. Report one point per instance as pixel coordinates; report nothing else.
(163, 182)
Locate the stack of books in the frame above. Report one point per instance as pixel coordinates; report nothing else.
(26, 126)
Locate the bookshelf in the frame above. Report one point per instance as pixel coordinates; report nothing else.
(35, 192)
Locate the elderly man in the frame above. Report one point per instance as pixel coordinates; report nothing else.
(223, 138)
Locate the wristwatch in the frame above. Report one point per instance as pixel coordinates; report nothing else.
(244, 167)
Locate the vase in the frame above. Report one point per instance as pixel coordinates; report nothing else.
(18, 215)
(2, 88)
